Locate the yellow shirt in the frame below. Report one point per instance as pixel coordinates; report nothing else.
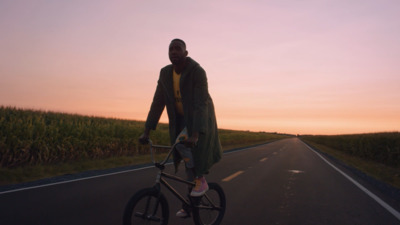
(177, 93)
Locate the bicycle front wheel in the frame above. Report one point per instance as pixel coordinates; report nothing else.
(211, 206)
(147, 206)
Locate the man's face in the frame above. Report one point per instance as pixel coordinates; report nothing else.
(177, 52)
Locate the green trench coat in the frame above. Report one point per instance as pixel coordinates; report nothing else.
(198, 109)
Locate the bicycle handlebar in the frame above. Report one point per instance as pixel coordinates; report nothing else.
(160, 146)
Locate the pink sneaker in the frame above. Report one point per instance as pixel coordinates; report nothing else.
(200, 188)
(182, 213)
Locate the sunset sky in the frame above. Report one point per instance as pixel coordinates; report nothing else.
(299, 67)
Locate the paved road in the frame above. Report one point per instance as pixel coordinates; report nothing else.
(283, 182)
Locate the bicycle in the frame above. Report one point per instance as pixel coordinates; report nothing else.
(150, 206)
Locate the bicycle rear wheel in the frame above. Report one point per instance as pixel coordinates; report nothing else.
(211, 207)
(147, 206)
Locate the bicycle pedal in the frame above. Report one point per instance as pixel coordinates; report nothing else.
(183, 217)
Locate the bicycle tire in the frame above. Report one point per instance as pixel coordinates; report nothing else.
(211, 207)
(144, 208)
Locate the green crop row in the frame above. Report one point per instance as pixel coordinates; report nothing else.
(379, 147)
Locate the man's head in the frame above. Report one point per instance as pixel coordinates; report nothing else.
(177, 52)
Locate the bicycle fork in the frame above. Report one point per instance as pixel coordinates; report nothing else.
(146, 215)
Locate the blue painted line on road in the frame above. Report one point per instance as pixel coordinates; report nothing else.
(390, 209)
(238, 150)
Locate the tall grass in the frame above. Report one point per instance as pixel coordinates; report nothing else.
(379, 147)
(29, 137)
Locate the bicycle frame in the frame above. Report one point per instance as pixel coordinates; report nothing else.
(162, 175)
(172, 189)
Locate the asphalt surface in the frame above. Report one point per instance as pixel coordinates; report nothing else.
(284, 182)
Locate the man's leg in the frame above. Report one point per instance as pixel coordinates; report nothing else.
(187, 156)
(201, 183)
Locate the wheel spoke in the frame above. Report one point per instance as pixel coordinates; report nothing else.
(211, 209)
(146, 207)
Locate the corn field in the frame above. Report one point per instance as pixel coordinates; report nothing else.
(29, 137)
(379, 147)
(232, 137)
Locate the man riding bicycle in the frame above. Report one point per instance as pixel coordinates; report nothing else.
(182, 88)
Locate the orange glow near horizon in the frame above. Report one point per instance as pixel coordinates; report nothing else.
(274, 66)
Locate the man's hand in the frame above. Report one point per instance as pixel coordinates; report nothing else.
(192, 141)
(144, 138)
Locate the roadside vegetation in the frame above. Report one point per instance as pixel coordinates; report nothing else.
(376, 154)
(37, 144)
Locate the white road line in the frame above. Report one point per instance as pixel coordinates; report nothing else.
(263, 159)
(232, 176)
(74, 180)
(394, 212)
